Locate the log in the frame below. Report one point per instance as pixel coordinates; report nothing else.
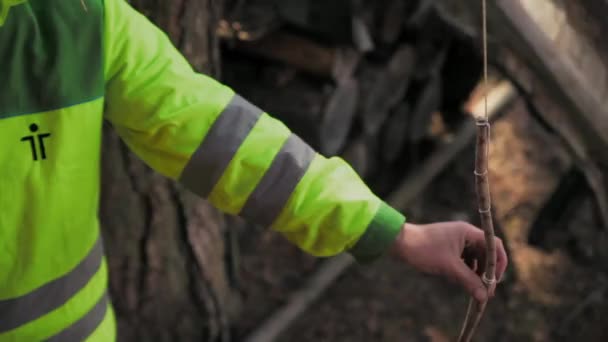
(370, 77)
(384, 88)
(431, 58)
(418, 18)
(361, 24)
(303, 54)
(329, 20)
(428, 102)
(392, 20)
(394, 134)
(579, 85)
(357, 154)
(338, 116)
(362, 38)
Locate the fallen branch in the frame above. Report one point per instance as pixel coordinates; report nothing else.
(401, 198)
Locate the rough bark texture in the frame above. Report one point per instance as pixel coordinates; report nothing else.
(166, 248)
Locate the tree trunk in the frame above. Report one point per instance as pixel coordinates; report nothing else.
(166, 248)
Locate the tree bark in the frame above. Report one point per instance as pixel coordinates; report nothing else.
(166, 248)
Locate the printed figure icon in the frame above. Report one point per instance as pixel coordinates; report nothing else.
(32, 139)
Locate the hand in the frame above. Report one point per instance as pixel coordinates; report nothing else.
(440, 249)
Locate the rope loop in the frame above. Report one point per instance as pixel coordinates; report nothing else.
(488, 282)
(482, 122)
(485, 211)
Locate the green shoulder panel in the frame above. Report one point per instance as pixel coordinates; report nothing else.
(50, 55)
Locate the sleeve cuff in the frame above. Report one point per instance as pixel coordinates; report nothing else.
(380, 234)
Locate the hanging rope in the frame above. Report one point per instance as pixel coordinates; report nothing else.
(484, 16)
(484, 204)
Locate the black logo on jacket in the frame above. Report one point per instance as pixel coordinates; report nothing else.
(38, 138)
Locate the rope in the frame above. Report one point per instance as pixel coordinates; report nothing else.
(488, 282)
(485, 120)
(485, 59)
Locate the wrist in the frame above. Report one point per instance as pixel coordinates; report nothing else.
(408, 233)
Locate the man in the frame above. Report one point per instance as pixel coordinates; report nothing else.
(66, 66)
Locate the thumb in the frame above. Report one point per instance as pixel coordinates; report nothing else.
(463, 275)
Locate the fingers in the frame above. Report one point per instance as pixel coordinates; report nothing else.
(501, 259)
(463, 275)
(473, 235)
(475, 250)
(476, 239)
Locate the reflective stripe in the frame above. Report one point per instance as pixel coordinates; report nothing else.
(85, 326)
(269, 197)
(226, 135)
(15, 312)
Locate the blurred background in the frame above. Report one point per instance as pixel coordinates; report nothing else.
(391, 86)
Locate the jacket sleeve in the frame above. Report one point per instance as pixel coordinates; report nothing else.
(191, 128)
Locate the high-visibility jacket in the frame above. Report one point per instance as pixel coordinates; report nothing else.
(65, 68)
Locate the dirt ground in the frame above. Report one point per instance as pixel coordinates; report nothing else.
(549, 295)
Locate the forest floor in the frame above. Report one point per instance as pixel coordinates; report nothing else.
(540, 300)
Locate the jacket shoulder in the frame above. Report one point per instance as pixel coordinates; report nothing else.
(53, 53)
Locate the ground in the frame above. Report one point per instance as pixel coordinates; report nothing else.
(549, 295)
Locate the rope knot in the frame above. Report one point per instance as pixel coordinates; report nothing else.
(488, 282)
(482, 122)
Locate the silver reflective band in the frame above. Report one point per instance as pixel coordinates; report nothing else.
(15, 312)
(270, 196)
(85, 326)
(226, 135)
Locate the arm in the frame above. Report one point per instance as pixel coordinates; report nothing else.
(193, 129)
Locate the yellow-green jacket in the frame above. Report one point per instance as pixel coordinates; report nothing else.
(63, 70)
